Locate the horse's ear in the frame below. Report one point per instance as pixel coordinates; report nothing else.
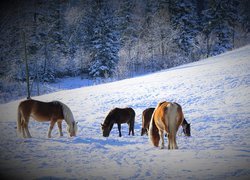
(101, 124)
(76, 122)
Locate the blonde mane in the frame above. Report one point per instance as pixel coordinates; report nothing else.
(68, 117)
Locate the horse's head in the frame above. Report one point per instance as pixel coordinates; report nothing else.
(105, 130)
(72, 129)
(187, 129)
(144, 131)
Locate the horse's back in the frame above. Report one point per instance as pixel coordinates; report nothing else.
(26, 106)
(131, 112)
(50, 109)
(161, 110)
(164, 114)
(122, 115)
(42, 110)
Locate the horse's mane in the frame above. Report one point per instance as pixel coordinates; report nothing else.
(108, 117)
(67, 113)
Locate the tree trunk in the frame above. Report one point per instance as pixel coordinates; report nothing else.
(207, 37)
(26, 66)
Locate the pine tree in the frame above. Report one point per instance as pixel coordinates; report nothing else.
(49, 38)
(184, 18)
(218, 22)
(104, 42)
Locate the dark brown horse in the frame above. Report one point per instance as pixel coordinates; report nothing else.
(146, 117)
(167, 117)
(186, 128)
(118, 116)
(54, 111)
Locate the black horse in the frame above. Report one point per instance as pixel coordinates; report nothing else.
(146, 117)
(118, 116)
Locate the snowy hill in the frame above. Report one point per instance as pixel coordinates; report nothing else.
(214, 94)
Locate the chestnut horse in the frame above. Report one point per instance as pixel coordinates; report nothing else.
(54, 111)
(146, 117)
(167, 117)
(119, 116)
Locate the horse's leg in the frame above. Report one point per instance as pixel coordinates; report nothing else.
(59, 124)
(161, 133)
(24, 124)
(130, 129)
(27, 129)
(168, 135)
(175, 143)
(52, 123)
(22, 129)
(119, 129)
(132, 126)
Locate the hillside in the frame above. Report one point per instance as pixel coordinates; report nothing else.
(215, 97)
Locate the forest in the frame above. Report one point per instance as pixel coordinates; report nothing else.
(111, 39)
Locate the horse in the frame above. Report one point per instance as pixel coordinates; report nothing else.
(54, 111)
(118, 116)
(167, 117)
(186, 128)
(146, 117)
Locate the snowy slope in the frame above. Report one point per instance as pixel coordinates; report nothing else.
(214, 94)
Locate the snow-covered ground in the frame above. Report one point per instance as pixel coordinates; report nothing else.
(214, 94)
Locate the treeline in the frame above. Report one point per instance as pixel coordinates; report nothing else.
(112, 38)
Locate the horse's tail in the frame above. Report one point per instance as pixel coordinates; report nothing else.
(172, 121)
(19, 119)
(154, 133)
(153, 130)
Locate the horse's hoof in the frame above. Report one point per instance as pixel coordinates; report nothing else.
(162, 147)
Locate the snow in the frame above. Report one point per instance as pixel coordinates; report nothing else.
(215, 97)
(71, 83)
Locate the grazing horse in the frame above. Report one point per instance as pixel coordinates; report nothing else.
(54, 111)
(146, 117)
(186, 128)
(119, 116)
(167, 117)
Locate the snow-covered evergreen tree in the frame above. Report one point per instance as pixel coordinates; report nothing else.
(219, 19)
(184, 18)
(104, 41)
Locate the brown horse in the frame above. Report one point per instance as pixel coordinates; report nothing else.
(54, 111)
(118, 116)
(146, 117)
(186, 127)
(167, 117)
